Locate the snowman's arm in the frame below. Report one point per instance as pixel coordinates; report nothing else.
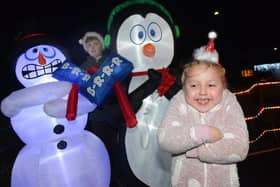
(177, 84)
(146, 89)
(36, 95)
(57, 108)
(173, 89)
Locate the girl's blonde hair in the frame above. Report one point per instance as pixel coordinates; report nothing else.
(187, 67)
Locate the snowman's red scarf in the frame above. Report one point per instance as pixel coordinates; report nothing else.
(167, 80)
(123, 101)
(71, 110)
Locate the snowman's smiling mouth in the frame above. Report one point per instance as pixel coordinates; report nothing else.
(33, 71)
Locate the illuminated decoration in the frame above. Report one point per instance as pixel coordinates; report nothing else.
(58, 152)
(216, 13)
(37, 63)
(126, 5)
(255, 85)
(247, 73)
(261, 111)
(267, 67)
(148, 43)
(146, 37)
(97, 87)
(263, 133)
(114, 68)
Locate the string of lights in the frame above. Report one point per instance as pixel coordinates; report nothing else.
(247, 91)
(256, 116)
(261, 111)
(263, 133)
(256, 85)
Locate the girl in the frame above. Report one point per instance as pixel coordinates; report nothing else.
(204, 127)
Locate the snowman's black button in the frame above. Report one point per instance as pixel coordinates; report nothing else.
(58, 129)
(62, 144)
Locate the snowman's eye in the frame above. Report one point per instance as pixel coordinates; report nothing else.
(141, 35)
(154, 32)
(34, 50)
(47, 51)
(32, 53)
(137, 34)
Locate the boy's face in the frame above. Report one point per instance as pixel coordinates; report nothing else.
(94, 48)
(204, 88)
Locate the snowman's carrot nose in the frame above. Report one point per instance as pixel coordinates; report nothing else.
(42, 59)
(149, 50)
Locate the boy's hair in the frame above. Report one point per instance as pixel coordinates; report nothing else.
(91, 36)
(220, 69)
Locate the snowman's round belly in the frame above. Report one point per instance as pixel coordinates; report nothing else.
(69, 161)
(33, 126)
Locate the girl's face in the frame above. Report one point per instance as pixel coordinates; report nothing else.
(94, 48)
(203, 87)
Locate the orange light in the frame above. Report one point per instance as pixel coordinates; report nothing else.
(255, 85)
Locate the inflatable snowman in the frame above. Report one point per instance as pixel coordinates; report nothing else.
(144, 32)
(57, 152)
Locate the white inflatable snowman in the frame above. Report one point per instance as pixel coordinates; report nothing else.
(57, 152)
(145, 36)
